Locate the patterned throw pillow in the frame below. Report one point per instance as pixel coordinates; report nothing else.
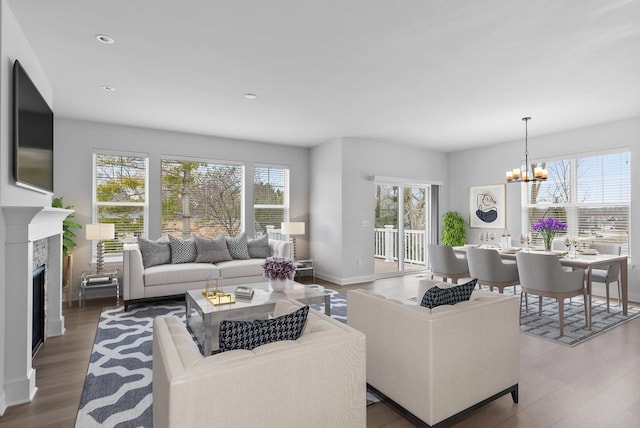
(211, 250)
(259, 247)
(238, 247)
(251, 334)
(154, 252)
(182, 251)
(436, 296)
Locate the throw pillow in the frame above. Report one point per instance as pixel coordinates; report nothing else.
(259, 247)
(154, 252)
(238, 247)
(436, 296)
(211, 250)
(251, 334)
(182, 250)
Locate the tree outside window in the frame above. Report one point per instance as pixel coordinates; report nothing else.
(270, 198)
(120, 196)
(201, 198)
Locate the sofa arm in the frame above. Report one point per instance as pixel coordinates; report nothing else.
(133, 272)
(279, 248)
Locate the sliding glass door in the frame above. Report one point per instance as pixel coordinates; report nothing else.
(401, 228)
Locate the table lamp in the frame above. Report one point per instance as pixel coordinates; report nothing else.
(99, 232)
(292, 228)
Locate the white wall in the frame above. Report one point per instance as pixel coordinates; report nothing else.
(13, 45)
(326, 209)
(356, 161)
(487, 165)
(77, 141)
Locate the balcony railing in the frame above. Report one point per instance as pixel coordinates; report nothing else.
(386, 245)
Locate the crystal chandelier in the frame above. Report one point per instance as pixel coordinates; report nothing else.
(523, 173)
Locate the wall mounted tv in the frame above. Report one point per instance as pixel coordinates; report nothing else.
(32, 134)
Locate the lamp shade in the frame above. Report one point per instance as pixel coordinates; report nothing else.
(292, 228)
(100, 231)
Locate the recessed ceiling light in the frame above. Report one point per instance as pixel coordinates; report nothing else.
(104, 39)
(250, 96)
(108, 88)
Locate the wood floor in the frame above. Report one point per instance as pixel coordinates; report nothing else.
(596, 384)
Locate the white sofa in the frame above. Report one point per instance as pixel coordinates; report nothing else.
(159, 281)
(315, 381)
(439, 363)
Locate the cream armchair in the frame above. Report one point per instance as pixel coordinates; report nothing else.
(315, 381)
(439, 363)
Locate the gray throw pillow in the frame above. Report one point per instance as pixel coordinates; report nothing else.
(250, 334)
(436, 296)
(238, 247)
(182, 250)
(212, 250)
(154, 252)
(259, 247)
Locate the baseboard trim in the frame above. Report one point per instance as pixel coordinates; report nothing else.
(513, 390)
(3, 402)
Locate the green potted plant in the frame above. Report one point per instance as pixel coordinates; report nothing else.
(454, 232)
(68, 244)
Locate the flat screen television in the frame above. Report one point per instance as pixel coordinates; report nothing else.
(32, 134)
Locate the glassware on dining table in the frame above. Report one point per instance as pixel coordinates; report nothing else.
(524, 241)
(492, 236)
(482, 238)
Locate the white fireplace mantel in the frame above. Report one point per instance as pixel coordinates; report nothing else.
(23, 226)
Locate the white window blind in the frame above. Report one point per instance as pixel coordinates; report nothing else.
(201, 198)
(270, 197)
(120, 196)
(592, 194)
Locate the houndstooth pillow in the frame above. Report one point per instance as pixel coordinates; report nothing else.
(238, 247)
(436, 296)
(182, 250)
(251, 334)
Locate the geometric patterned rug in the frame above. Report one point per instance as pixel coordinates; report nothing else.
(547, 326)
(117, 390)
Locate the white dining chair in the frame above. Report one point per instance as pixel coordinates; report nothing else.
(542, 275)
(607, 274)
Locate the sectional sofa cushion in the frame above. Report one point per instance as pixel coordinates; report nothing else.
(211, 250)
(437, 296)
(182, 250)
(251, 334)
(259, 247)
(154, 252)
(238, 247)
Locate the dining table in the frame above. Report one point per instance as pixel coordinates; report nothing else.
(582, 260)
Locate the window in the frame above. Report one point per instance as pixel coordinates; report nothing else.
(270, 197)
(591, 193)
(201, 198)
(120, 196)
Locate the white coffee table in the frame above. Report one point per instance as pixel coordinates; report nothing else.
(204, 318)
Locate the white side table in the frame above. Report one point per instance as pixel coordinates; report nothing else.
(93, 280)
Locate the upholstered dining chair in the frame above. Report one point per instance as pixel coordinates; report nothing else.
(444, 263)
(608, 273)
(488, 267)
(542, 275)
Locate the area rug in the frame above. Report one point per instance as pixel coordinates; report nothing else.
(547, 326)
(117, 389)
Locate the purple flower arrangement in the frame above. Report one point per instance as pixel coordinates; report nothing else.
(278, 268)
(548, 227)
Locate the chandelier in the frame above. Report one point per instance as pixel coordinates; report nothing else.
(523, 173)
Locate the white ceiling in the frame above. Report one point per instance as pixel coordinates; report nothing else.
(446, 75)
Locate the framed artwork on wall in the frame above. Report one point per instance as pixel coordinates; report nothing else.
(488, 207)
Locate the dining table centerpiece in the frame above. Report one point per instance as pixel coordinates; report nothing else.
(548, 227)
(279, 270)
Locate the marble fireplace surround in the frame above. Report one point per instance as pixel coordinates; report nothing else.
(24, 226)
